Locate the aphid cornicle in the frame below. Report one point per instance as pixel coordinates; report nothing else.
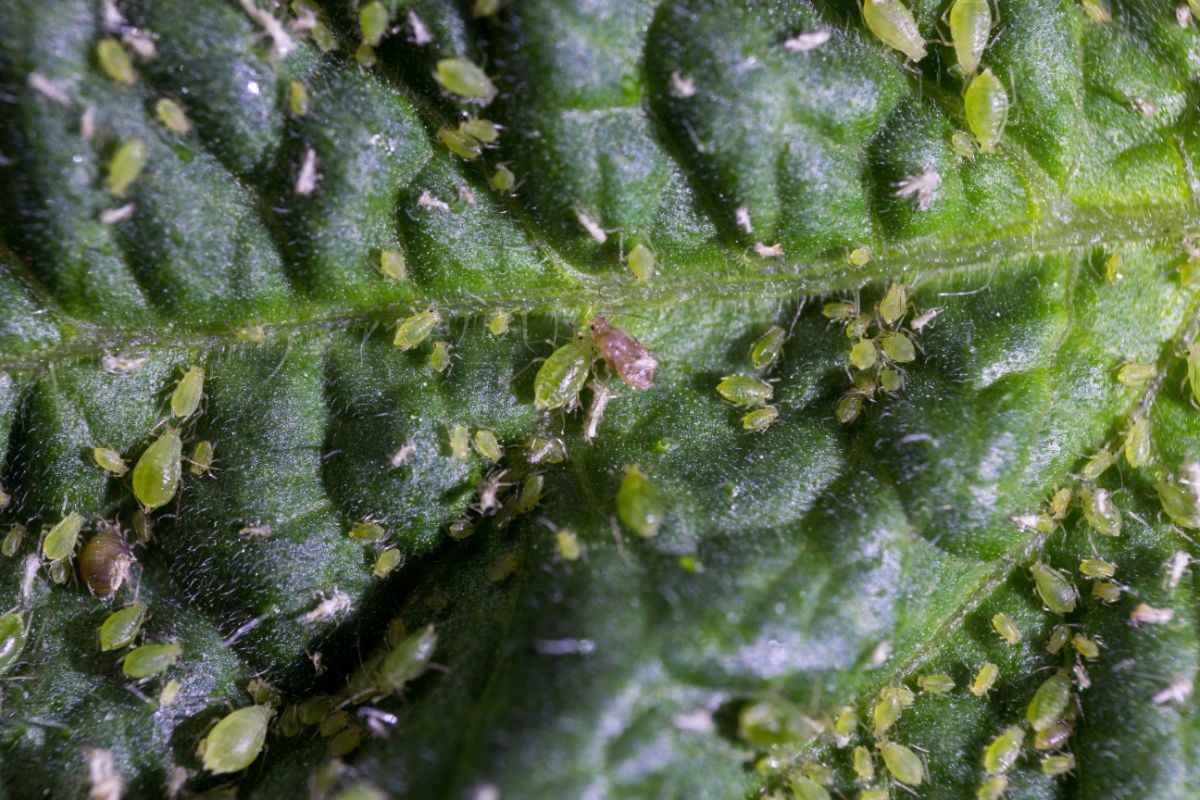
(187, 395)
(561, 377)
(104, 562)
(235, 741)
(986, 104)
(121, 627)
(156, 475)
(970, 24)
(624, 354)
(893, 23)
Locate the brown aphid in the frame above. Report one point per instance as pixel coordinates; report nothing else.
(104, 561)
(624, 354)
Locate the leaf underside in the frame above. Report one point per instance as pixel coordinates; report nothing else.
(803, 568)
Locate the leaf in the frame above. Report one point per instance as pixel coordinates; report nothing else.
(796, 571)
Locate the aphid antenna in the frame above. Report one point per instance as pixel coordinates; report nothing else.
(907, 788)
(548, 523)
(796, 316)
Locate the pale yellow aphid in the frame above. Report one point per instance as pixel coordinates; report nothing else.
(115, 61)
(393, 265)
(298, 98)
(187, 395)
(893, 23)
(1135, 374)
(569, 547)
(110, 460)
(894, 304)
(970, 25)
(985, 679)
(986, 105)
(1137, 442)
(1004, 750)
(172, 115)
(1114, 267)
(859, 257)
(1007, 629)
(641, 262)
(904, 765)
(414, 330)
(126, 165)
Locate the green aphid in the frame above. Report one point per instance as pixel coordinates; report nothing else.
(332, 723)
(864, 766)
(170, 692)
(641, 261)
(904, 765)
(562, 376)
(1085, 646)
(1049, 701)
(1004, 625)
(502, 179)
(121, 627)
(970, 25)
(760, 419)
(156, 475)
(202, 457)
(886, 712)
(408, 660)
(143, 527)
(460, 442)
(367, 531)
(993, 788)
(898, 348)
(298, 98)
(1052, 737)
(12, 539)
(1059, 636)
(461, 144)
(109, 460)
(985, 679)
(569, 547)
(1004, 750)
(1096, 11)
(344, 743)
(1106, 591)
(373, 20)
(845, 724)
(1097, 465)
(891, 380)
(486, 8)
(498, 323)
(60, 541)
(1114, 268)
(487, 445)
(864, 354)
(60, 571)
(1180, 504)
(541, 449)
(12, 640)
(1137, 442)
(840, 311)
(765, 723)
(1133, 374)
(963, 145)
(252, 334)
(126, 165)
(531, 493)
(313, 709)
(393, 265)
(1097, 568)
(151, 659)
(365, 55)
(805, 788)
(874, 794)
(235, 741)
(439, 356)
(818, 773)
(893, 24)
(462, 77)
(1193, 369)
(1099, 511)
(986, 104)
(1058, 764)
(387, 561)
(894, 304)
(187, 395)
(745, 391)
(172, 116)
(1060, 503)
(414, 330)
(639, 503)
(115, 61)
(935, 684)
(766, 350)
(849, 406)
(484, 130)
(1054, 587)
(502, 567)
(5, 498)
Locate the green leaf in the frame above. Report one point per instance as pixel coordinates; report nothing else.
(764, 168)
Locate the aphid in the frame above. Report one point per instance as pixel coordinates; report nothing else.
(121, 627)
(12, 539)
(985, 679)
(845, 724)
(569, 547)
(1059, 637)
(171, 115)
(970, 24)
(986, 103)
(1099, 511)
(562, 375)
(125, 167)
(1004, 625)
(859, 257)
(364, 54)
(1058, 764)
(1097, 465)
(818, 773)
(864, 354)
(549, 450)
(373, 20)
(461, 528)
(460, 441)
(346, 742)
(993, 788)
(12, 640)
(1085, 646)
(439, 356)
(462, 77)
(1049, 701)
(328, 608)
(639, 503)
(60, 541)
(1055, 589)
(187, 395)
(1106, 591)
(60, 571)
(393, 265)
(840, 311)
(531, 493)
(1096, 11)
(502, 179)
(766, 350)
(904, 764)
(1004, 750)
(313, 709)
(202, 457)
(1137, 442)
(104, 562)
(1181, 505)
(408, 660)
(487, 445)
(1113, 268)
(156, 475)
(624, 354)
(115, 61)
(368, 531)
(298, 98)
(1135, 374)
(1147, 614)
(332, 722)
(498, 323)
(1060, 503)
(252, 334)
(264, 693)
(1193, 369)
(805, 788)
(170, 692)
(1097, 568)
(1052, 737)
(641, 262)
(235, 741)
(874, 794)
(891, 380)
(898, 347)
(504, 565)
(461, 144)
(416, 329)
(885, 713)
(849, 407)
(484, 130)
(745, 391)
(151, 659)
(864, 766)
(893, 24)
(935, 684)
(760, 419)
(109, 460)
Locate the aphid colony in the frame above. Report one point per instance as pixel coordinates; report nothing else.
(751, 391)
(882, 345)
